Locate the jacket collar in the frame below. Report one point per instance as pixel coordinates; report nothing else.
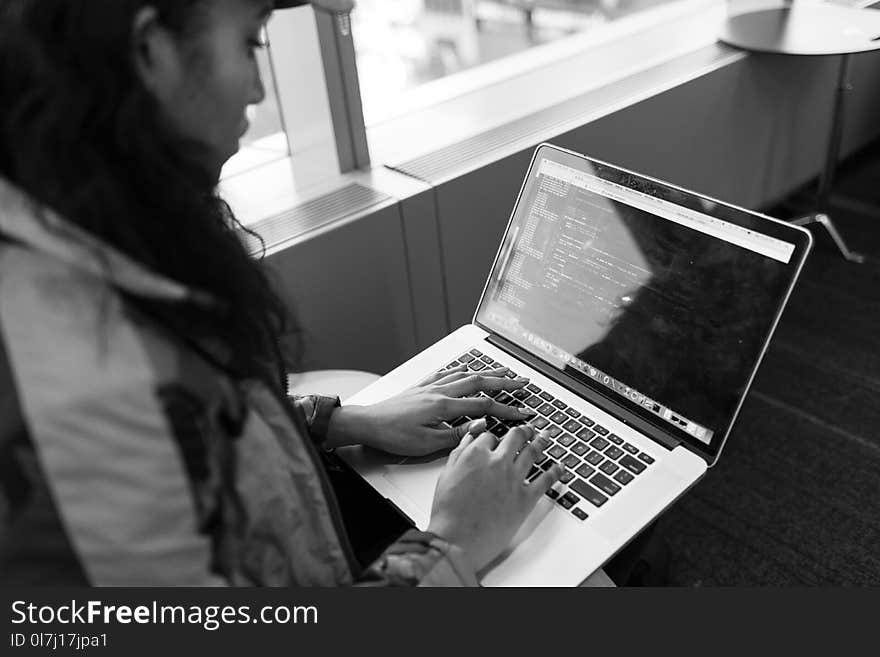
(40, 228)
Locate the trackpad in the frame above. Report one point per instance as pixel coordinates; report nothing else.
(415, 480)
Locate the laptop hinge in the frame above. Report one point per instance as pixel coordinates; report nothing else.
(605, 403)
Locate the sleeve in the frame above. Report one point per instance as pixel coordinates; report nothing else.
(316, 411)
(420, 559)
(87, 394)
(122, 491)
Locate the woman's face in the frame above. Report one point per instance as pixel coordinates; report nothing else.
(207, 80)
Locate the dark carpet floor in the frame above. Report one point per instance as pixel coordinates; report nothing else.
(795, 497)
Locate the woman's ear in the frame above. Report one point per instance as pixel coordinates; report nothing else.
(155, 54)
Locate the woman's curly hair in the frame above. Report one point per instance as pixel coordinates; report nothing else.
(81, 134)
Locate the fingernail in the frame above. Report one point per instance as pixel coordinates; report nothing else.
(543, 441)
(521, 379)
(526, 429)
(477, 425)
(528, 411)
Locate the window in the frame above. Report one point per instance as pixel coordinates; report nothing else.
(406, 47)
(365, 93)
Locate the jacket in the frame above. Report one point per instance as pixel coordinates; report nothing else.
(127, 457)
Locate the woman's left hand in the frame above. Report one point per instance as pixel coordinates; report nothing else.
(411, 423)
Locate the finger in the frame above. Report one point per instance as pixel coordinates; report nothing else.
(515, 439)
(485, 440)
(436, 376)
(498, 373)
(491, 381)
(543, 482)
(530, 453)
(454, 435)
(478, 406)
(452, 375)
(505, 412)
(434, 440)
(475, 428)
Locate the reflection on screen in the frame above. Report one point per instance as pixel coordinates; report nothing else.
(636, 296)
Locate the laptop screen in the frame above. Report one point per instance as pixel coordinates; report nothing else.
(656, 298)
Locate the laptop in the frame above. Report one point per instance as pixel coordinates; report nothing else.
(640, 312)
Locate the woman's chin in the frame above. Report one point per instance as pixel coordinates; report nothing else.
(218, 162)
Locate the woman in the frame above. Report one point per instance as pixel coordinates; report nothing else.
(145, 435)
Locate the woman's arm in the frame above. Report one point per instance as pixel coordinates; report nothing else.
(420, 559)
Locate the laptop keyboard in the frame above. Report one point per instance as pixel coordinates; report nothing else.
(598, 464)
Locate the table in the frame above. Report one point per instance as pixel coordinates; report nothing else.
(813, 29)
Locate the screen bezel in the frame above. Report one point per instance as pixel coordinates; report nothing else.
(801, 238)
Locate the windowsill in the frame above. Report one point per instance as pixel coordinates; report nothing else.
(256, 154)
(276, 187)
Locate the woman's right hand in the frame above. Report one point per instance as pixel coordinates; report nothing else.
(482, 497)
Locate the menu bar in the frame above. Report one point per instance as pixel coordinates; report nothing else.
(706, 224)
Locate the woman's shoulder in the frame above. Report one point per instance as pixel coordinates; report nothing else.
(51, 308)
(71, 341)
(46, 287)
